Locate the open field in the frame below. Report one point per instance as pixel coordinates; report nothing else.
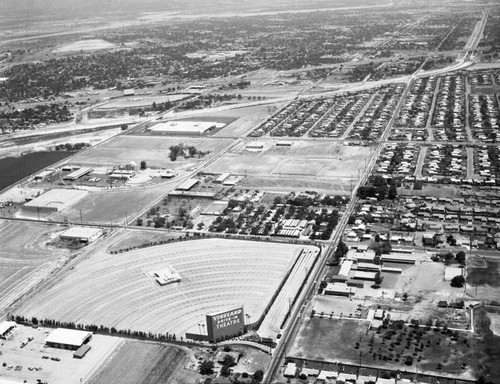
(335, 340)
(216, 275)
(112, 207)
(85, 45)
(139, 101)
(138, 362)
(66, 371)
(25, 258)
(305, 162)
(152, 149)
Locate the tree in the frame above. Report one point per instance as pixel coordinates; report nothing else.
(207, 367)
(393, 191)
(124, 127)
(378, 279)
(140, 222)
(258, 375)
(458, 281)
(143, 165)
(460, 257)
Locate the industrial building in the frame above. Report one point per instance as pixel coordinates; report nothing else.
(53, 201)
(121, 174)
(339, 289)
(402, 258)
(71, 339)
(81, 234)
(75, 175)
(43, 175)
(188, 184)
(5, 328)
(222, 178)
(189, 128)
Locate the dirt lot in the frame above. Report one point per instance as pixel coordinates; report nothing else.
(25, 257)
(152, 149)
(85, 45)
(27, 363)
(322, 165)
(138, 362)
(113, 206)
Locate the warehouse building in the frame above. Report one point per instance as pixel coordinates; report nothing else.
(53, 201)
(188, 184)
(81, 234)
(43, 175)
(71, 339)
(75, 175)
(5, 328)
(339, 289)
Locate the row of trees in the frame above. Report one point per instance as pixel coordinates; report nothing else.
(95, 328)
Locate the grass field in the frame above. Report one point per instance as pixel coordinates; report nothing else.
(25, 259)
(483, 278)
(336, 340)
(216, 275)
(487, 343)
(136, 362)
(152, 149)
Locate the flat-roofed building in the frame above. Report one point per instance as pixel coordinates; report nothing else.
(6, 327)
(43, 175)
(402, 258)
(71, 339)
(339, 289)
(222, 178)
(188, 184)
(54, 201)
(81, 234)
(75, 175)
(362, 275)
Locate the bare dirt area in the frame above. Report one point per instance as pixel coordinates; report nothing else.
(56, 366)
(113, 207)
(25, 257)
(137, 362)
(136, 239)
(85, 45)
(319, 165)
(245, 119)
(152, 149)
(124, 294)
(142, 101)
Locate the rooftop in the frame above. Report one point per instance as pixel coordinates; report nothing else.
(68, 337)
